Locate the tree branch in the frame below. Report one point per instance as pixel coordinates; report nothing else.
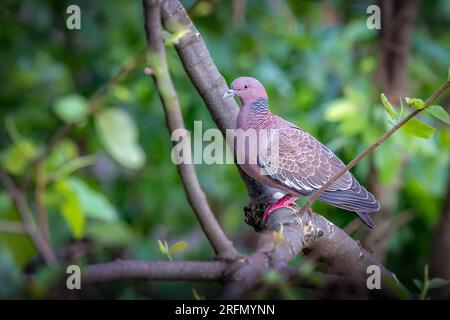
(320, 239)
(160, 270)
(174, 120)
(21, 204)
(39, 192)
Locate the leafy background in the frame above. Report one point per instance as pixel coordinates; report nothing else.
(112, 190)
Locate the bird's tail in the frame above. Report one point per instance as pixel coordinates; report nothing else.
(366, 219)
(356, 199)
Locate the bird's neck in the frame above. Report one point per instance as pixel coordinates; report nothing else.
(260, 106)
(255, 114)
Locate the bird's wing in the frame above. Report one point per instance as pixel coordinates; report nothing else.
(302, 162)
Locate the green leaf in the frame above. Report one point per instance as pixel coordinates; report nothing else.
(178, 247)
(61, 154)
(20, 248)
(72, 108)
(18, 156)
(121, 93)
(438, 112)
(81, 202)
(340, 109)
(71, 209)
(119, 135)
(415, 102)
(71, 166)
(448, 74)
(437, 282)
(202, 8)
(94, 203)
(176, 37)
(401, 108)
(388, 107)
(418, 129)
(163, 247)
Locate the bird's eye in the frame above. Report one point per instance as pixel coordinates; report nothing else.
(246, 87)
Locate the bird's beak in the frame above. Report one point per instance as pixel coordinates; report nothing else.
(229, 93)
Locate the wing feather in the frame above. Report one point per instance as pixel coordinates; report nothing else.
(304, 164)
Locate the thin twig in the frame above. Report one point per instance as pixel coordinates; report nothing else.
(373, 146)
(39, 191)
(21, 204)
(12, 227)
(154, 270)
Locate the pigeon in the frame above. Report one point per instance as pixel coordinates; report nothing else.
(302, 164)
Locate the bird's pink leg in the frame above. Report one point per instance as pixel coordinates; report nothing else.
(285, 201)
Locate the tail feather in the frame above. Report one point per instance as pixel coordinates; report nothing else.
(366, 219)
(356, 199)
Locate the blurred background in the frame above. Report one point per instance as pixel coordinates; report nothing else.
(106, 189)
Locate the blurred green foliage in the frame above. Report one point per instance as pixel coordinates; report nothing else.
(110, 183)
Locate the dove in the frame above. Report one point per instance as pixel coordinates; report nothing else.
(301, 164)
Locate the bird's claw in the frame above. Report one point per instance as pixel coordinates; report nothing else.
(286, 201)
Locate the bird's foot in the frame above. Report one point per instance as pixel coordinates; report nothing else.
(286, 201)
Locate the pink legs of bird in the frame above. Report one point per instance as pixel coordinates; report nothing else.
(286, 201)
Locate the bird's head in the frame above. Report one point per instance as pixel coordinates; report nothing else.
(247, 89)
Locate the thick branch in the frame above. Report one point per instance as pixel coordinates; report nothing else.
(316, 236)
(158, 270)
(174, 120)
(11, 227)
